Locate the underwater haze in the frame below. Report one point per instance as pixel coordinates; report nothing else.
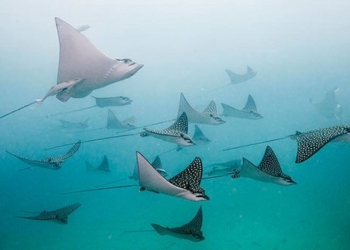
(300, 51)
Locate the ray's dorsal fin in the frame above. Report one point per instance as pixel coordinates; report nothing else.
(250, 105)
(104, 166)
(311, 142)
(157, 163)
(269, 164)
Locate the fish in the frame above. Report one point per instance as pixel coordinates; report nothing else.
(79, 58)
(176, 133)
(248, 112)
(82, 27)
(225, 168)
(63, 86)
(208, 116)
(157, 164)
(269, 170)
(74, 125)
(190, 231)
(114, 123)
(102, 102)
(329, 107)
(184, 185)
(103, 167)
(53, 162)
(59, 215)
(198, 137)
(237, 78)
(311, 142)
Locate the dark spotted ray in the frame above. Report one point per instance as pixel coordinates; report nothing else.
(311, 142)
(329, 106)
(199, 138)
(184, 185)
(207, 116)
(81, 59)
(103, 167)
(54, 162)
(176, 133)
(248, 112)
(269, 170)
(102, 102)
(238, 78)
(114, 123)
(59, 215)
(190, 231)
(225, 168)
(74, 125)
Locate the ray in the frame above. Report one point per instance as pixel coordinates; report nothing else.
(239, 78)
(329, 107)
(103, 167)
(53, 162)
(114, 123)
(249, 111)
(224, 168)
(59, 215)
(190, 231)
(207, 116)
(185, 185)
(269, 170)
(176, 133)
(157, 164)
(79, 58)
(16, 110)
(74, 125)
(311, 142)
(102, 102)
(198, 137)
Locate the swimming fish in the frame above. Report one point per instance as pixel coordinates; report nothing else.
(198, 137)
(311, 142)
(157, 164)
(190, 231)
(82, 27)
(225, 168)
(185, 185)
(237, 78)
(269, 170)
(60, 215)
(102, 102)
(103, 167)
(74, 125)
(208, 116)
(248, 112)
(329, 106)
(81, 59)
(176, 133)
(114, 123)
(54, 162)
(59, 88)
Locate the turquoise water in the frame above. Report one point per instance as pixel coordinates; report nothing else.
(300, 51)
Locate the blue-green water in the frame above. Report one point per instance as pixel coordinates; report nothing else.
(300, 51)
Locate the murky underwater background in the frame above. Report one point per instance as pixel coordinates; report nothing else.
(300, 51)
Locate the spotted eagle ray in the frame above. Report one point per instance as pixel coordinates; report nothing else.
(238, 78)
(185, 185)
(311, 142)
(190, 231)
(198, 137)
(329, 106)
(53, 162)
(248, 112)
(224, 168)
(114, 123)
(103, 167)
(176, 133)
(208, 116)
(157, 164)
(81, 59)
(74, 125)
(60, 215)
(269, 170)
